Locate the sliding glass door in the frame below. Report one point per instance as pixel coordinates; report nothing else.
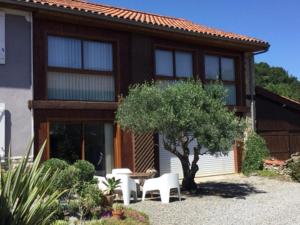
(91, 141)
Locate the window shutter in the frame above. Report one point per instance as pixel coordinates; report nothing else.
(2, 130)
(2, 37)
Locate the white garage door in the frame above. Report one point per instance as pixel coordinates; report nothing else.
(208, 165)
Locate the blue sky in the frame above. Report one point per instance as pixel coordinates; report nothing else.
(276, 21)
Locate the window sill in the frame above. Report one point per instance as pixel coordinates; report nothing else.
(60, 104)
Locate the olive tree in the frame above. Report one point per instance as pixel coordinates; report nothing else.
(182, 112)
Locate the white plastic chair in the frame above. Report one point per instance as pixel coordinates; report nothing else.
(164, 184)
(128, 187)
(100, 183)
(121, 171)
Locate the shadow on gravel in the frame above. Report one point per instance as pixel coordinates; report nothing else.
(226, 190)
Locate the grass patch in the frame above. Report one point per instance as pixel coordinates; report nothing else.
(267, 173)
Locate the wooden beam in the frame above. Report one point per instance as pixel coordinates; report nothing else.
(240, 109)
(118, 145)
(58, 104)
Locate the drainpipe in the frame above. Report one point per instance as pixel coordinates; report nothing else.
(252, 86)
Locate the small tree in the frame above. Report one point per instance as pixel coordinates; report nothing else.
(182, 112)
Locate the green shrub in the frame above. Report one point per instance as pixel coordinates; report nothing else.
(69, 178)
(255, 152)
(86, 170)
(58, 209)
(55, 164)
(91, 197)
(73, 206)
(295, 168)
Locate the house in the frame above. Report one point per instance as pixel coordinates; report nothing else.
(70, 60)
(278, 122)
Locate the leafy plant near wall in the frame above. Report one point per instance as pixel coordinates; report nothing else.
(183, 111)
(295, 168)
(25, 192)
(255, 152)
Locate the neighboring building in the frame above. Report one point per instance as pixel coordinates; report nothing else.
(278, 122)
(86, 55)
(16, 86)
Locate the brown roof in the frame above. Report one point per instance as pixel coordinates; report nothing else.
(144, 18)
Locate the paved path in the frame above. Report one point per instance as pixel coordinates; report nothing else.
(234, 201)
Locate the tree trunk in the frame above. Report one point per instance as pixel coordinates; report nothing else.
(188, 182)
(189, 170)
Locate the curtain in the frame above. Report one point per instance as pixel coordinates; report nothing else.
(231, 94)
(227, 66)
(97, 56)
(212, 67)
(109, 147)
(184, 64)
(68, 86)
(164, 62)
(64, 52)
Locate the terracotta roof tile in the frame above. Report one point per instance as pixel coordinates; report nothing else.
(146, 18)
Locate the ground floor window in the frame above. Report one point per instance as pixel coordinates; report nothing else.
(91, 141)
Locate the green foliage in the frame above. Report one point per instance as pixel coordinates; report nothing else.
(55, 164)
(179, 110)
(295, 168)
(267, 173)
(60, 222)
(277, 80)
(92, 196)
(86, 170)
(58, 209)
(182, 111)
(118, 206)
(255, 152)
(112, 184)
(25, 193)
(69, 178)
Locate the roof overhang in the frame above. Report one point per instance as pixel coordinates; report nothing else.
(177, 33)
(284, 101)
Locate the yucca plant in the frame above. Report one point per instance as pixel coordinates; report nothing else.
(111, 184)
(25, 192)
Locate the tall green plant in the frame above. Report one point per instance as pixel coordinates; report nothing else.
(255, 152)
(25, 196)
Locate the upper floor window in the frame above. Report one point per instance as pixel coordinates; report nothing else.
(80, 70)
(173, 64)
(222, 68)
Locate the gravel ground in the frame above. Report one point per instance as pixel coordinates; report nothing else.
(237, 200)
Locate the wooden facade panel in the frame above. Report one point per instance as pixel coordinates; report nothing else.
(295, 143)
(142, 64)
(144, 154)
(127, 151)
(278, 121)
(277, 143)
(272, 116)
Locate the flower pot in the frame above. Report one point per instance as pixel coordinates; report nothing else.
(118, 214)
(109, 199)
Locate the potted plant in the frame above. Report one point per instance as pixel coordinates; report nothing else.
(118, 211)
(111, 184)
